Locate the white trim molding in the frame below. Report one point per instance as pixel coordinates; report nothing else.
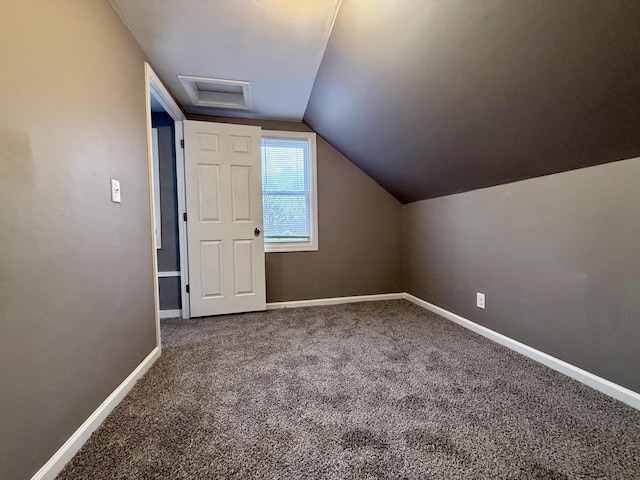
(170, 314)
(57, 462)
(151, 82)
(168, 274)
(157, 209)
(607, 387)
(182, 224)
(335, 301)
(162, 95)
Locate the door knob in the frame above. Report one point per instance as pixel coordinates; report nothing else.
(256, 232)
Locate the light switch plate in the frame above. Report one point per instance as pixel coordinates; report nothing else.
(115, 190)
(480, 300)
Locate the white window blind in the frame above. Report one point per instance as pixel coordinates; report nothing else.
(286, 190)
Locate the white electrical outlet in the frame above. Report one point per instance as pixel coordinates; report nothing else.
(480, 300)
(115, 190)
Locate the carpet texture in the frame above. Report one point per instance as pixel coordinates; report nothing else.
(368, 390)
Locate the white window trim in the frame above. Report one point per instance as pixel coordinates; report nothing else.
(312, 245)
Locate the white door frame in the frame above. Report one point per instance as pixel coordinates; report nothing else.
(153, 86)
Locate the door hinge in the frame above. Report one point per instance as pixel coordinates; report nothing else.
(182, 143)
(187, 287)
(184, 216)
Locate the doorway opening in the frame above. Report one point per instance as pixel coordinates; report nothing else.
(216, 186)
(166, 194)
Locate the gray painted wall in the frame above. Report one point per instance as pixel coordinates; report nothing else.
(360, 233)
(169, 254)
(170, 294)
(558, 258)
(76, 286)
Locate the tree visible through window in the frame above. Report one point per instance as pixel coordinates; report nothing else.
(288, 191)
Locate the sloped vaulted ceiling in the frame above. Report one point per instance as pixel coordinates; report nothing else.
(275, 45)
(434, 97)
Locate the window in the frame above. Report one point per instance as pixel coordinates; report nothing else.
(289, 191)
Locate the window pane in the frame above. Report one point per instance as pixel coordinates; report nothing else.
(285, 165)
(286, 218)
(285, 190)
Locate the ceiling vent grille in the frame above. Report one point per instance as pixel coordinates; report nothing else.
(217, 92)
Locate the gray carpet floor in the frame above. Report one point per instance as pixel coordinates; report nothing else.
(369, 390)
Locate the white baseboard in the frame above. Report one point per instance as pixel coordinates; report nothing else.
(56, 463)
(170, 314)
(335, 301)
(605, 386)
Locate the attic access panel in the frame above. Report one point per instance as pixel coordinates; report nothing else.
(217, 92)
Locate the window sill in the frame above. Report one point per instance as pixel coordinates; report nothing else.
(289, 247)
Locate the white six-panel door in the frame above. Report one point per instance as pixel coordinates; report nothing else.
(224, 218)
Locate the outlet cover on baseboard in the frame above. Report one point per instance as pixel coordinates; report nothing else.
(480, 300)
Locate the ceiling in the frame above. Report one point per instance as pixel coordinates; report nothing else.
(434, 97)
(428, 97)
(276, 45)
